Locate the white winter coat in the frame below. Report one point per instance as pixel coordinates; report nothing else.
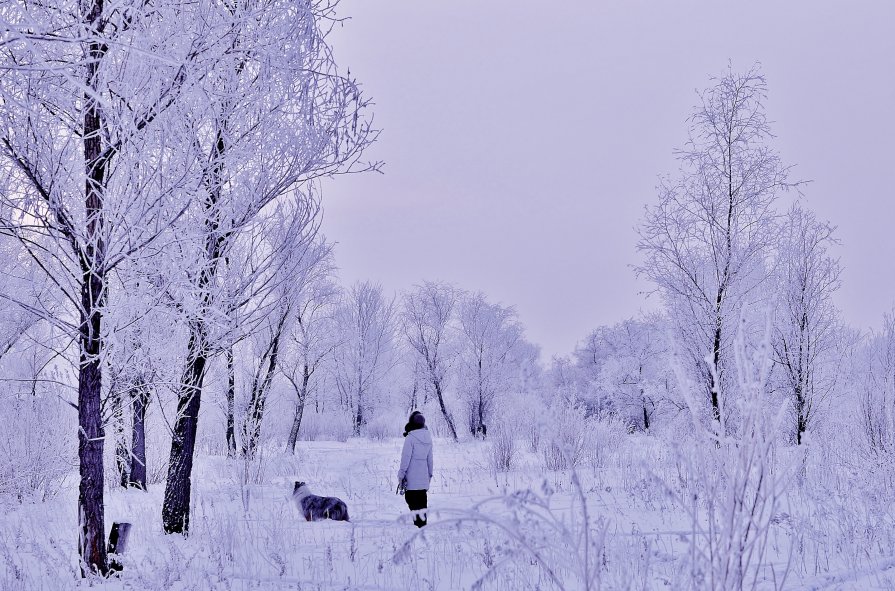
(416, 460)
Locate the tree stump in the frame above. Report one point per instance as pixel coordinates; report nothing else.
(118, 545)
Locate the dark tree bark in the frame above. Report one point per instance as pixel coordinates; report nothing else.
(260, 388)
(359, 415)
(444, 411)
(118, 544)
(301, 393)
(645, 418)
(715, 377)
(176, 507)
(231, 397)
(91, 510)
(139, 402)
(91, 435)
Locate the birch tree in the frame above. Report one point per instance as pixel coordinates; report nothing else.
(805, 330)
(706, 243)
(365, 324)
(488, 333)
(312, 337)
(294, 254)
(427, 316)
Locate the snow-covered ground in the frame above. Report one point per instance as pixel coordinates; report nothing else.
(247, 534)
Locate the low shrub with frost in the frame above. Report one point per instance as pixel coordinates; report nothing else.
(733, 489)
(381, 427)
(35, 451)
(604, 437)
(565, 437)
(325, 426)
(567, 545)
(502, 450)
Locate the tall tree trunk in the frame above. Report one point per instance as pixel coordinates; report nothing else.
(299, 409)
(715, 378)
(176, 506)
(413, 395)
(645, 413)
(358, 415)
(801, 418)
(91, 435)
(260, 388)
(481, 415)
(444, 411)
(139, 403)
(231, 397)
(91, 510)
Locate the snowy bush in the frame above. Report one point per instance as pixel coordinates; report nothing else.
(603, 438)
(878, 389)
(567, 544)
(525, 416)
(565, 440)
(325, 426)
(381, 427)
(737, 489)
(35, 453)
(502, 451)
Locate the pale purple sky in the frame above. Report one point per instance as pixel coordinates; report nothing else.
(523, 139)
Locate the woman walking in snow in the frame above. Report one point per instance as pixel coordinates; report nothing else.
(415, 472)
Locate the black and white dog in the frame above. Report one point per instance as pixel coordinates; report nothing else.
(315, 508)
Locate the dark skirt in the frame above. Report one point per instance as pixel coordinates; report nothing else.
(416, 499)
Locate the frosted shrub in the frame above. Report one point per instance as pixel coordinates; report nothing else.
(380, 428)
(568, 544)
(157, 452)
(527, 418)
(565, 438)
(878, 390)
(35, 453)
(603, 438)
(325, 426)
(502, 451)
(252, 469)
(737, 490)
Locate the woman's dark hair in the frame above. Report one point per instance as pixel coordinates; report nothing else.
(416, 421)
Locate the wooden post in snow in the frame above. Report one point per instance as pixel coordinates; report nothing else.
(118, 545)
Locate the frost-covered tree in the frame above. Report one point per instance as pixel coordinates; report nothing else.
(275, 260)
(427, 316)
(634, 370)
(274, 115)
(365, 323)
(586, 369)
(877, 388)
(142, 356)
(488, 335)
(91, 170)
(706, 243)
(312, 337)
(806, 325)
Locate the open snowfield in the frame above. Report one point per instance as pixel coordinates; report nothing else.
(247, 534)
